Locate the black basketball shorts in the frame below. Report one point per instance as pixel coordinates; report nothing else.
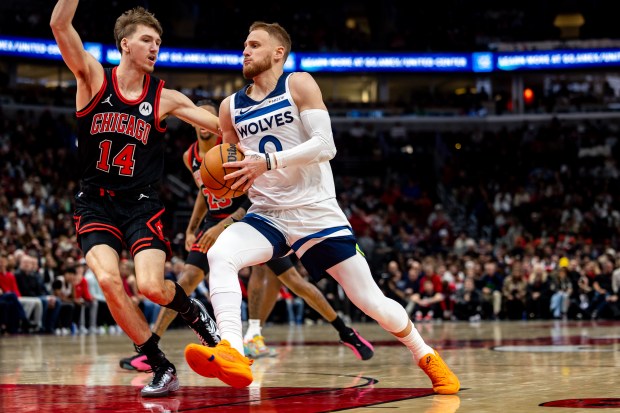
(128, 219)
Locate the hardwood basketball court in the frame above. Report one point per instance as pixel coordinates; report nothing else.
(546, 366)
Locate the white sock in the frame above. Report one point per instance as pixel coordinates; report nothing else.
(227, 309)
(254, 329)
(415, 343)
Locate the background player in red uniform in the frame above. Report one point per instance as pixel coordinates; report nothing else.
(121, 116)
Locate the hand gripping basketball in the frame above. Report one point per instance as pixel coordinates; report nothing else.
(212, 170)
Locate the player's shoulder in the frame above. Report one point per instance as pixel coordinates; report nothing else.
(225, 105)
(301, 82)
(296, 78)
(304, 89)
(226, 101)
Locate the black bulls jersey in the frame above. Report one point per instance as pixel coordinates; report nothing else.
(121, 142)
(218, 208)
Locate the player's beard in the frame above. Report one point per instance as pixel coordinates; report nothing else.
(256, 68)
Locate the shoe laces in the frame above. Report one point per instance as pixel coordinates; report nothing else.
(259, 341)
(159, 374)
(205, 327)
(436, 368)
(351, 338)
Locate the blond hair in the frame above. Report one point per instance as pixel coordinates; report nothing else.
(127, 22)
(277, 31)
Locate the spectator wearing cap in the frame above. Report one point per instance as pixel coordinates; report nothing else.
(561, 289)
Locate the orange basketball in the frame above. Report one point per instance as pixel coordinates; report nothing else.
(212, 172)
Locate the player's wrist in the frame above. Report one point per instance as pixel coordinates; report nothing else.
(268, 161)
(271, 161)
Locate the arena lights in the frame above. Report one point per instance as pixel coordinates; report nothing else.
(477, 62)
(193, 58)
(557, 59)
(418, 62)
(39, 48)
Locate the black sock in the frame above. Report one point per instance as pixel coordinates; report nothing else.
(155, 338)
(181, 302)
(340, 326)
(152, 352)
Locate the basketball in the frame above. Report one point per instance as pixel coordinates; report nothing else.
(212, 172)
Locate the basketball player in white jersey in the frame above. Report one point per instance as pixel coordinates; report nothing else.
(282, 125)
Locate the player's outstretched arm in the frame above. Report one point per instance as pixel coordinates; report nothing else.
(176, 103)
(87, 70)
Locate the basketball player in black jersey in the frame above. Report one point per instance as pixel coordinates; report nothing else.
(121, 117)
(209, 218)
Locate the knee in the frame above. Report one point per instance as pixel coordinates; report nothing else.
(218, 254)
(110, 284)
(154, 291)
(374, 310)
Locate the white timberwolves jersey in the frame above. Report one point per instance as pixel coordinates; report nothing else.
(274, 125)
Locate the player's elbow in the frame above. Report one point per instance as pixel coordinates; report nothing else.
(56, 22)
(329, 148)
(325, 143)
(331, 153)
(58, 26)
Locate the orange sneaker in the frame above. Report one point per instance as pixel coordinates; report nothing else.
(222, 362)
(444, 380)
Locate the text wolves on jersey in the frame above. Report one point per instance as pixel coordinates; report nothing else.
(264, 124)
(114, 122)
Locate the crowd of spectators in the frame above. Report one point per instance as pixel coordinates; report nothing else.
(322, 26)
(523, 222)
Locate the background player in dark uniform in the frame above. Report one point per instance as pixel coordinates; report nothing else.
(121, 123)
(263, 291)
(209, 218)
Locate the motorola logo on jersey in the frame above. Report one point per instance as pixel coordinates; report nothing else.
(145, 108)
(114, 122)
(264, 124)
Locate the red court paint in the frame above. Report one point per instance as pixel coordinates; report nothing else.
(584, 403)
(41, 398)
